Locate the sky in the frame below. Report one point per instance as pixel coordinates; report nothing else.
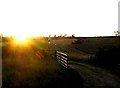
(44, 17)
(119, 16)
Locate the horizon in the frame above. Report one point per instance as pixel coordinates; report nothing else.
(58, 36)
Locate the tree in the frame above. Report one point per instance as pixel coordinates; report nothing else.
(65, 35)
(117, 33)
(60, 35)
(49, 35)
(73, 35)
(55, 36)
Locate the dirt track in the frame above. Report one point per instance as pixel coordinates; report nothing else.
(95, 77)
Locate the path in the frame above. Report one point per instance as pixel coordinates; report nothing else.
(95, 77)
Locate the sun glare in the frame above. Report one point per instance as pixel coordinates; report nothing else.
(21, 39)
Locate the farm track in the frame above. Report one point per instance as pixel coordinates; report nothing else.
(95, 77)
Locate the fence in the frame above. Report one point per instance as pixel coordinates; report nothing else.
(62, 58)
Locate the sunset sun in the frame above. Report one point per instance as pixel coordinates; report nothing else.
(21, 39)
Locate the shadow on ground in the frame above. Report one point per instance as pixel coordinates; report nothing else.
(67, 78)
(73, 80)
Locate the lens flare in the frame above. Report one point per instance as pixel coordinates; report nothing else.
(21, 39)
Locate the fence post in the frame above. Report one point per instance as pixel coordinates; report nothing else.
(55, 53)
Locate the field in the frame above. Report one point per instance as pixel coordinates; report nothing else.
(98, 51)
(33, 64)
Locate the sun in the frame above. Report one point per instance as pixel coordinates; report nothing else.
(21, 39)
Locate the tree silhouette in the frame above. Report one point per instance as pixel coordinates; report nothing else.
(73, 35)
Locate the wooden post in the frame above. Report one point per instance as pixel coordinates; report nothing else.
(55, 53)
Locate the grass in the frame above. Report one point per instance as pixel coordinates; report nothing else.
(34, 65)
